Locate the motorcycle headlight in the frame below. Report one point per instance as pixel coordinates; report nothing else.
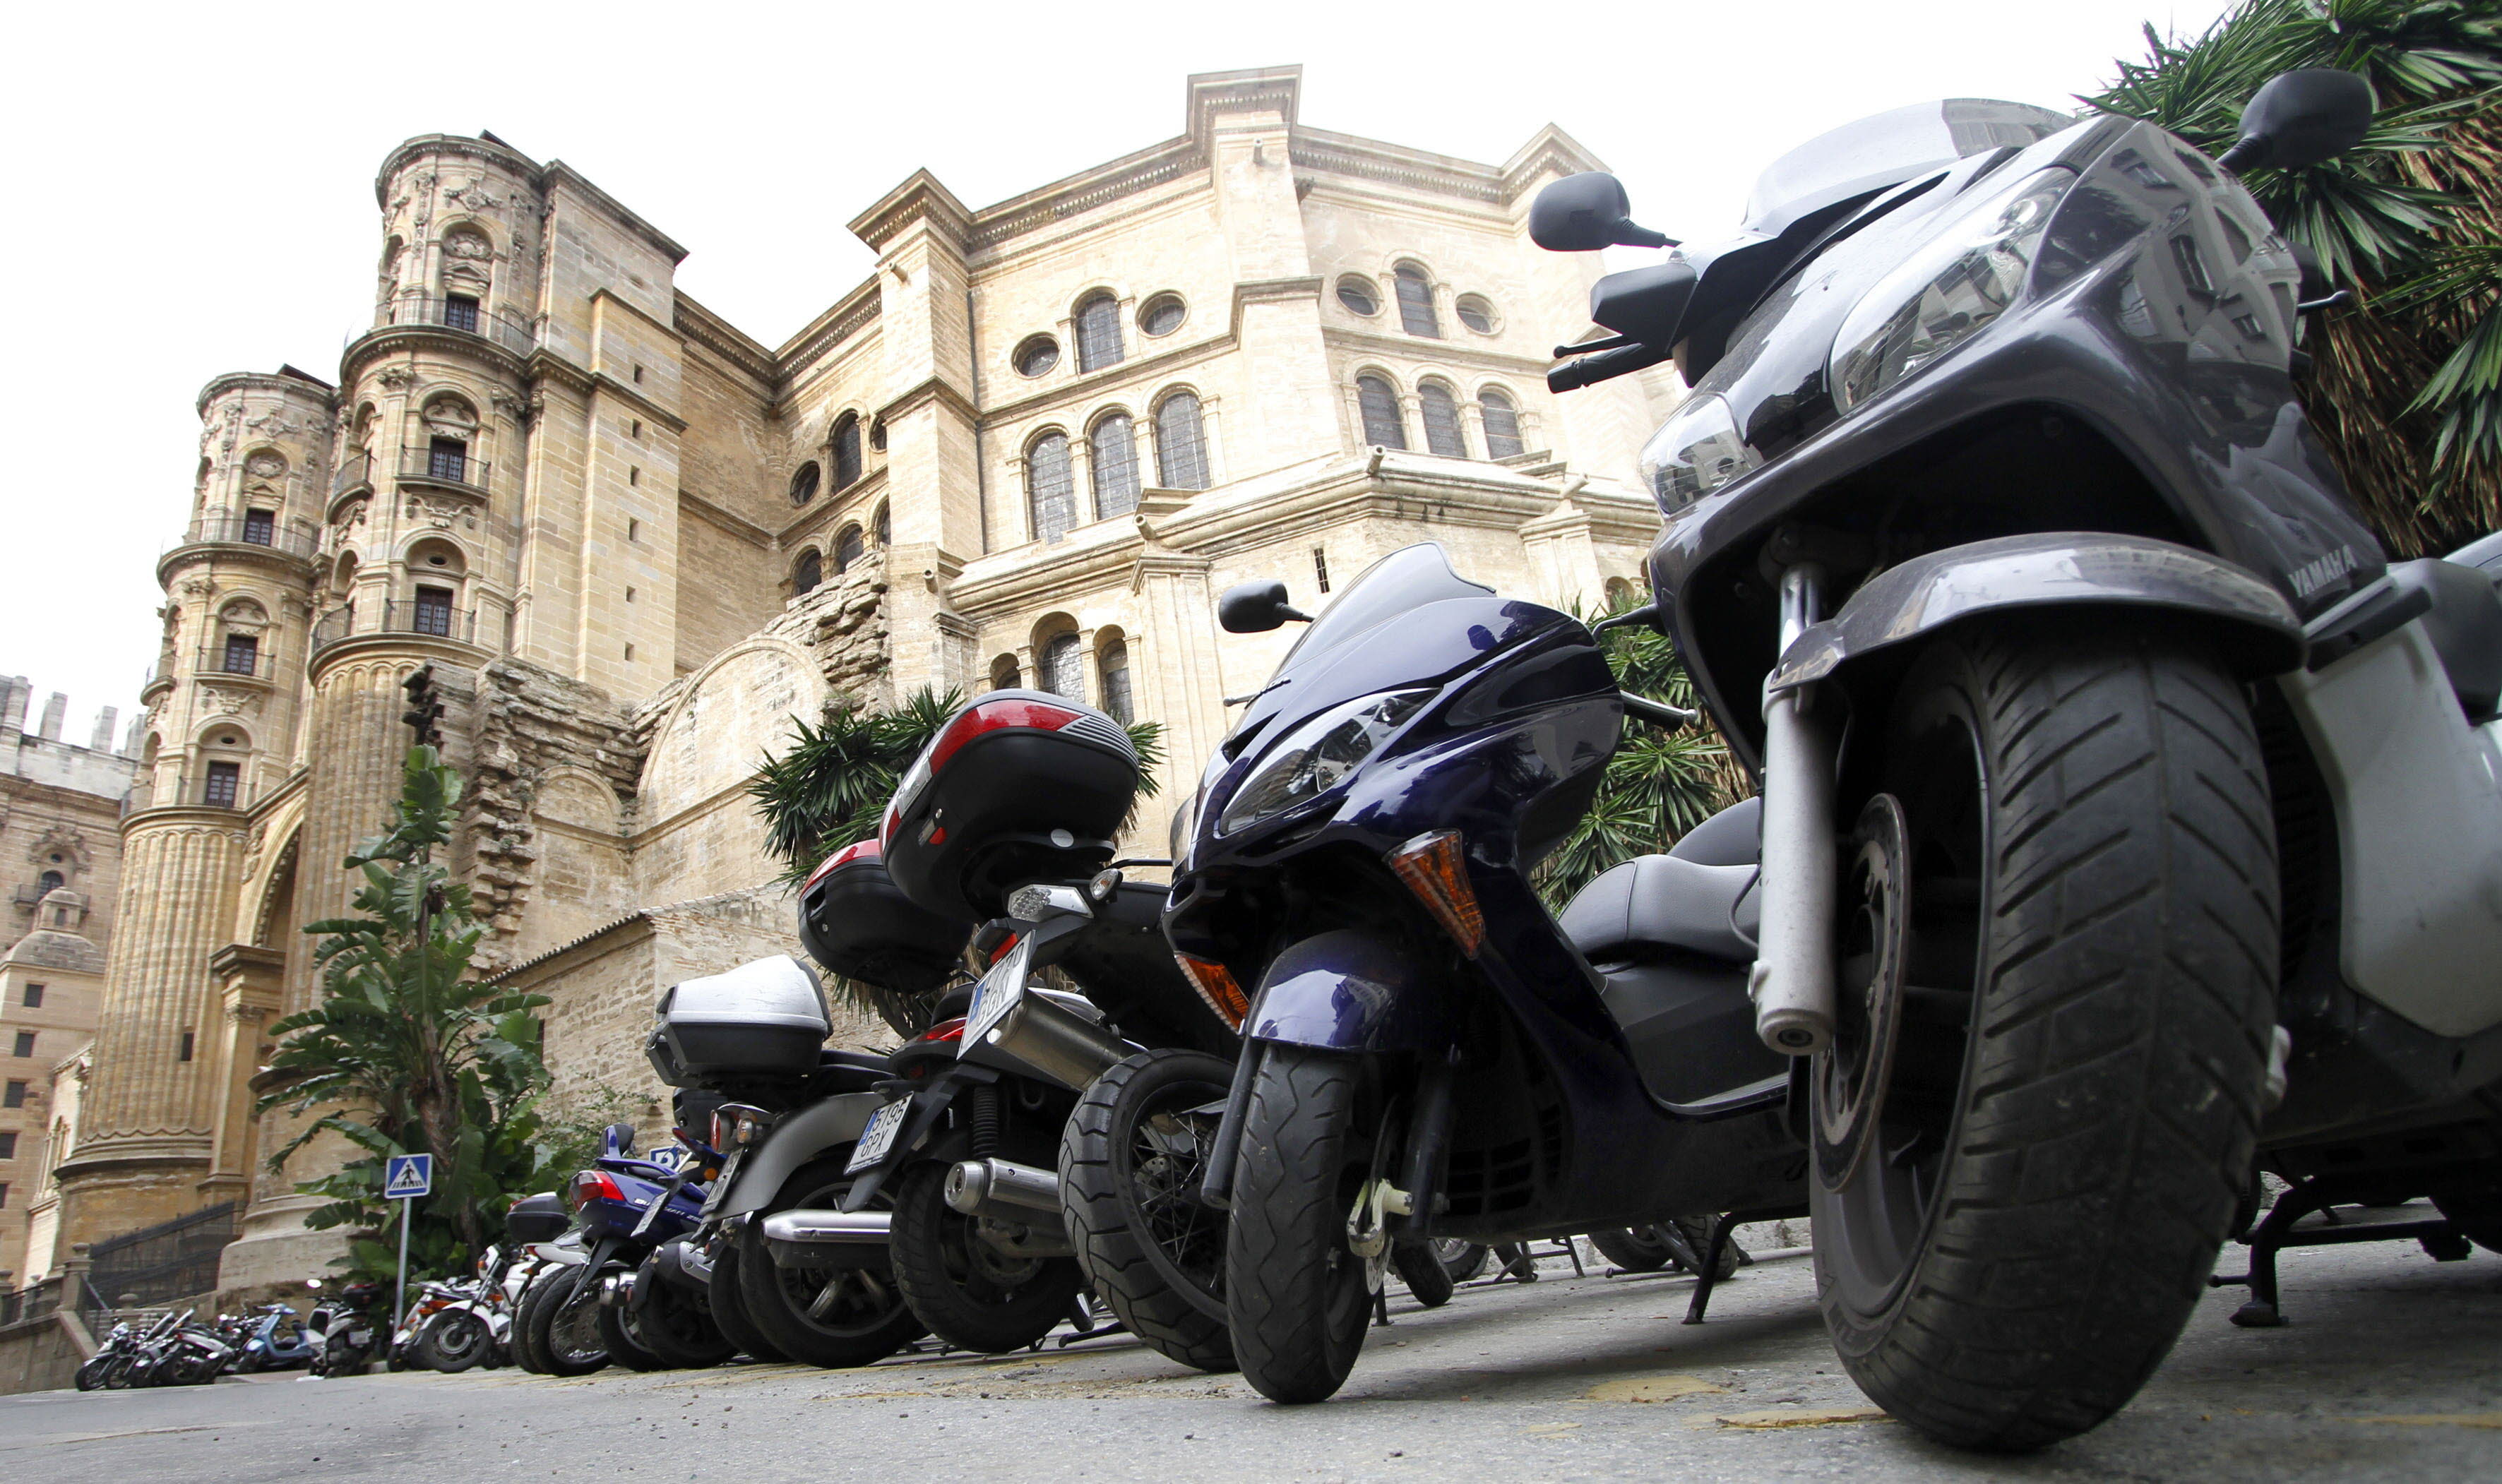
(1695, 452)
(1318, 757)
(1966, 275)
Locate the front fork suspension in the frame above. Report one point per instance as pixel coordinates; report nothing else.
(1792, 980)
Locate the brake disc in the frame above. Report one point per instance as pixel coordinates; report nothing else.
(1849, 1078)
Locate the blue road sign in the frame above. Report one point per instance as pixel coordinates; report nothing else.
(406, 1176)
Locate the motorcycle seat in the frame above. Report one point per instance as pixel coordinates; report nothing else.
(2464, 623)
(862, 1060)
(1655, 906)
(1732, 838)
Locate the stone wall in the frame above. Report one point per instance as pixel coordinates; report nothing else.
(42, 1354)
(555, 753)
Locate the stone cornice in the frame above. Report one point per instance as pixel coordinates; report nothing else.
(385, 340)
(932, 390)
(1252, 90)
(1144, 170)
(559, 174)
(727, 520)
(1450, 353)
(1550, 148)
(1037, 571)
(416, 647)
(849, 314)
(842, 504)
(484, 150)
(919, 198)
(702, 327)
(266, 381)
(181, 816)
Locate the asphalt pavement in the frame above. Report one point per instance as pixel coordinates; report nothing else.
(2391, 1368)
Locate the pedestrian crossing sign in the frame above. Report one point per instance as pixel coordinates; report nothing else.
(407, 1176)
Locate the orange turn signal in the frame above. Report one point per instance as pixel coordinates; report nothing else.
(1215, 985)
(1434, 868)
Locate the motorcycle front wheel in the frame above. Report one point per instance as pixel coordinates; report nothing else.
(560, 1327)
(1297, 1298)
(1130, 1162)
(969, 1293)
(452, 1341)
(676, 1324)
(2086, 1004)
(621, 1334)
(729, 1310)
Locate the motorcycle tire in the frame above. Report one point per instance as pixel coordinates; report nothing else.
(2475, 1208)
(1463, 1261)
(832, 1315)
(729, 1310)
(452, 1341)
(90, 1377)
(1151, 1248)
(560, 1329)
(2092, 890)
(621, 1334)
(1634, 1249)
(1421, 1268)
(526, 1352)
(676, 1324)
(1297, 1298)
(968, 1293)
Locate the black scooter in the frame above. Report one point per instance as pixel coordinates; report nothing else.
(1431, 1054)
(2126, 813)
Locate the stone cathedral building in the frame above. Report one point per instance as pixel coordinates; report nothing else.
(632, 542)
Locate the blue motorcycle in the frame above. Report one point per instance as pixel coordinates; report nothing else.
(276, 1340)
(1430, 1054)
(613, 1298)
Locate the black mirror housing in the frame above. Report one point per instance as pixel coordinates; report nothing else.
(2301, 118)
(1586, 211)
(1254, 608)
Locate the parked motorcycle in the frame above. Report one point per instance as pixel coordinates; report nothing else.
(2127, 813)
(109, 1368)
(626, 1207)
(274, 1338)
(1008, 816)
(1431, 1054)
(347, 1329)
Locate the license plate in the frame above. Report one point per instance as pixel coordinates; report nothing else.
(1000, 989)
(879, 1137)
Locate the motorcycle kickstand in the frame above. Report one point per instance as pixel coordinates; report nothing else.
(1710, 1277)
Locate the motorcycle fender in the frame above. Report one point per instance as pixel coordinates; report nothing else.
(2251, 622)
(794, 1142)
(929, 1106)
(1348, 989)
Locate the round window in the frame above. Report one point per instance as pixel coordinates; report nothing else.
(1163, 315)
(1476, 313)
(1358, 295)
(1037, 354)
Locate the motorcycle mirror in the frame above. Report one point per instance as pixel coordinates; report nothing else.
(619, 1140)
(1586, 211)
(1254, 608)
(2301, 118)
(1644, 303)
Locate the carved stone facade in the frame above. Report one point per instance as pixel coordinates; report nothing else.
(635, 543)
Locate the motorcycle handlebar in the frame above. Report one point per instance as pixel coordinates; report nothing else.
(1604, 366)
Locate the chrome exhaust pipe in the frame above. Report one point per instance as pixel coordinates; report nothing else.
(1058, 1042)
(1792, 980)
(829, 1228)
(1004, 1190)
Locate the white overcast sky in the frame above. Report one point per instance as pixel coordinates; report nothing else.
(192, 188)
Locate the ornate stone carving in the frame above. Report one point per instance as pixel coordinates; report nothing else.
(275, 423)
(264, 465)
(474, 196)
(217, 700)
(396, 378)
(468, 245)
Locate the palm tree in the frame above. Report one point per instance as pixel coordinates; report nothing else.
(2407, 385)
(1659, 785)
(407, 1052)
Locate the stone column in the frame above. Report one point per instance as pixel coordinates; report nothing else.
(145, 1124)
(1174, 678)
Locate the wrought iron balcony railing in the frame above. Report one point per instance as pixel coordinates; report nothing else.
(444, 466)
(436, 620)
(254, 527)
(355, 469)
(455, 312)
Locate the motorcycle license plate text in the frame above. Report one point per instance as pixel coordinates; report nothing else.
(721, 1183)
(1000, 989)
(879, 1137)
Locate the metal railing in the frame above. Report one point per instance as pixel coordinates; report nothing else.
(188, 791)
(469, 316)
(156, 1264)
(294, 538)
(216, 659)
(36, 1300)
(395, 618)
(355, 469)
(442, 467)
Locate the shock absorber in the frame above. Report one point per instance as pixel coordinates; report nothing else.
(986, 1120)
(1792, 982)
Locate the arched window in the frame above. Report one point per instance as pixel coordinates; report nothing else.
(1380, 404)
(883, 523)
(50, 881)
(848, 548)
(1049, 498)
(1064, 667)
(1116, 467)
(877, 434)
(1417, 302)
(1502, 424)
(1114, 663)
(1181, 443)
(1098, 332)
(808, 573)
(803, 483)
(1003, 673)
(847, 452)
(1442, 414)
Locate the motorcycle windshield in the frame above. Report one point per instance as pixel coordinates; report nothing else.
(1402, 582)
(1889, 149)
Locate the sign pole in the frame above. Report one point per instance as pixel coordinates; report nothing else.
(399, 1298)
